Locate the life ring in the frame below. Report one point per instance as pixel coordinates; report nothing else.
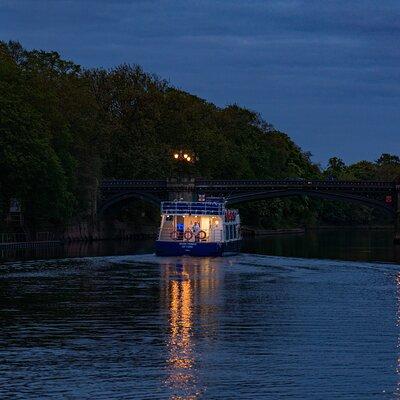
(202, 235)
(188, 235)
(174, 235)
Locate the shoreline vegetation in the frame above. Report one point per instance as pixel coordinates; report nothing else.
(64, 128)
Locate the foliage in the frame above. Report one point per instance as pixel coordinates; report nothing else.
(64, 128)
(48, 135)
(387, 167)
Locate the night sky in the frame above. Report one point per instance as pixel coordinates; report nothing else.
(325, 72)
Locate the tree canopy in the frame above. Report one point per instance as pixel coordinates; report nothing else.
(63, 128)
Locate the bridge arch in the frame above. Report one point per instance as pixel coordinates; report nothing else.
(347, 197)
(111, 201)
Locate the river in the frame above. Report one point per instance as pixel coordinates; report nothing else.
(307, 316)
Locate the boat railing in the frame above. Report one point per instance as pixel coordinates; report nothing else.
(192, 208)
(169, 234)
(216, 235)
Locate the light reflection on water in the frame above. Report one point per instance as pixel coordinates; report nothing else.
(186, 285)
(250, 326)
(181, 358)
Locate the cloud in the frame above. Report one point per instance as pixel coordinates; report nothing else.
(334, 58)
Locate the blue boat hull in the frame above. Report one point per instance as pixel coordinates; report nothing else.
(196, 249)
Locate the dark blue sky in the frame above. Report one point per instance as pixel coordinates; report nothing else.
(325, 72)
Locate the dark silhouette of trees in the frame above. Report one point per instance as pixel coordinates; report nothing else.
(64, 128)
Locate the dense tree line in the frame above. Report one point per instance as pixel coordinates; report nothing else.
(64, 128)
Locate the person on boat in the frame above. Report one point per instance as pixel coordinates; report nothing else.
(179, 230)
(196, 230)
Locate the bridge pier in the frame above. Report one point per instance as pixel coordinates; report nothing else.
(181, 189)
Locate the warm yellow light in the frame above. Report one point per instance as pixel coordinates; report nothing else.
(176, 155)
(188, 158)
(185, 156)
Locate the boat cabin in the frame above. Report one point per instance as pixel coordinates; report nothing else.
(203, 221)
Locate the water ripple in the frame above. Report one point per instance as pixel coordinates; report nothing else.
(251, 326)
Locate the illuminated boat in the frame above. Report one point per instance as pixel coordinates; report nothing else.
(203, 228)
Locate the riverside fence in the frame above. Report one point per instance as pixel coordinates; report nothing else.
(11, 240)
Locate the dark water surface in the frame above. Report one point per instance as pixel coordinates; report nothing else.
(242, 327)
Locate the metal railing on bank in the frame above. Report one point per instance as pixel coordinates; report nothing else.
(20, 237)
(17, 240)
(13, 237)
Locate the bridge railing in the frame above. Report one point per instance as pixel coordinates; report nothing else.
(298, 183)
(239, 183)
(162, 183)
(111, 183)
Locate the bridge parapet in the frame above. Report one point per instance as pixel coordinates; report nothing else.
(296, 183)
(132, 183)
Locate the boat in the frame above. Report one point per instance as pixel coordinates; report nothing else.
(202, 228)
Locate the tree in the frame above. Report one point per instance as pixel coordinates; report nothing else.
(388, 159)
(336, 167)
(388, 167)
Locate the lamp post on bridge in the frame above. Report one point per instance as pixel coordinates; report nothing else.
(185, 156)
(184, 160)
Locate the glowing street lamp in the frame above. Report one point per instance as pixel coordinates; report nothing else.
(184, 156)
